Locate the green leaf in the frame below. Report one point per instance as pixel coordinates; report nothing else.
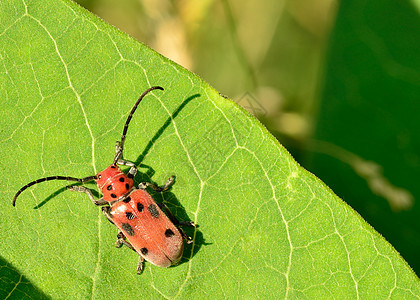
(267, 227)
(16, 286)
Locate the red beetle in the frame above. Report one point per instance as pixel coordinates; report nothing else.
(143, 227)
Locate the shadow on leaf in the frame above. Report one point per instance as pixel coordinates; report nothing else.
(163, 128)
(16, 286)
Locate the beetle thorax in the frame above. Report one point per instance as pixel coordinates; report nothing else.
(113, 183)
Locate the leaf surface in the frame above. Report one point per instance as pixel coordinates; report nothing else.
(267, 227)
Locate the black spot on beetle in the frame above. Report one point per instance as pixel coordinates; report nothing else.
(153, 210)
(128, 229)
(144, 251)
(99, 176)
(121, 179)
(127, 186)
(169, 233)
(129, 215)
(113, 196)
(140, 207)
(126, 200)
(113, 167)
(109, 187)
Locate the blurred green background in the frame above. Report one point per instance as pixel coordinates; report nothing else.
(338, 83)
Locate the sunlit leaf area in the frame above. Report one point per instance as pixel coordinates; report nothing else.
(290, 126)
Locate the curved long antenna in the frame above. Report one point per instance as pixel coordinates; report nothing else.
(81, 180)
(121, 143)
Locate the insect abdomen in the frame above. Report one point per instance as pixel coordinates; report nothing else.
(148, 229)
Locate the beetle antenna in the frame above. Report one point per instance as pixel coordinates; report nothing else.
(81, 180)
(121, 143)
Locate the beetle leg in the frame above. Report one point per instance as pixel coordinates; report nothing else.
(186, 237)
(121, 241)
(140, 266)
(124, 162)
(133, 168)
(120, 161)
(156, 188)
(88, 192)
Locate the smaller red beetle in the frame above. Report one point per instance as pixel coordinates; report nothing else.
(143, 227)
